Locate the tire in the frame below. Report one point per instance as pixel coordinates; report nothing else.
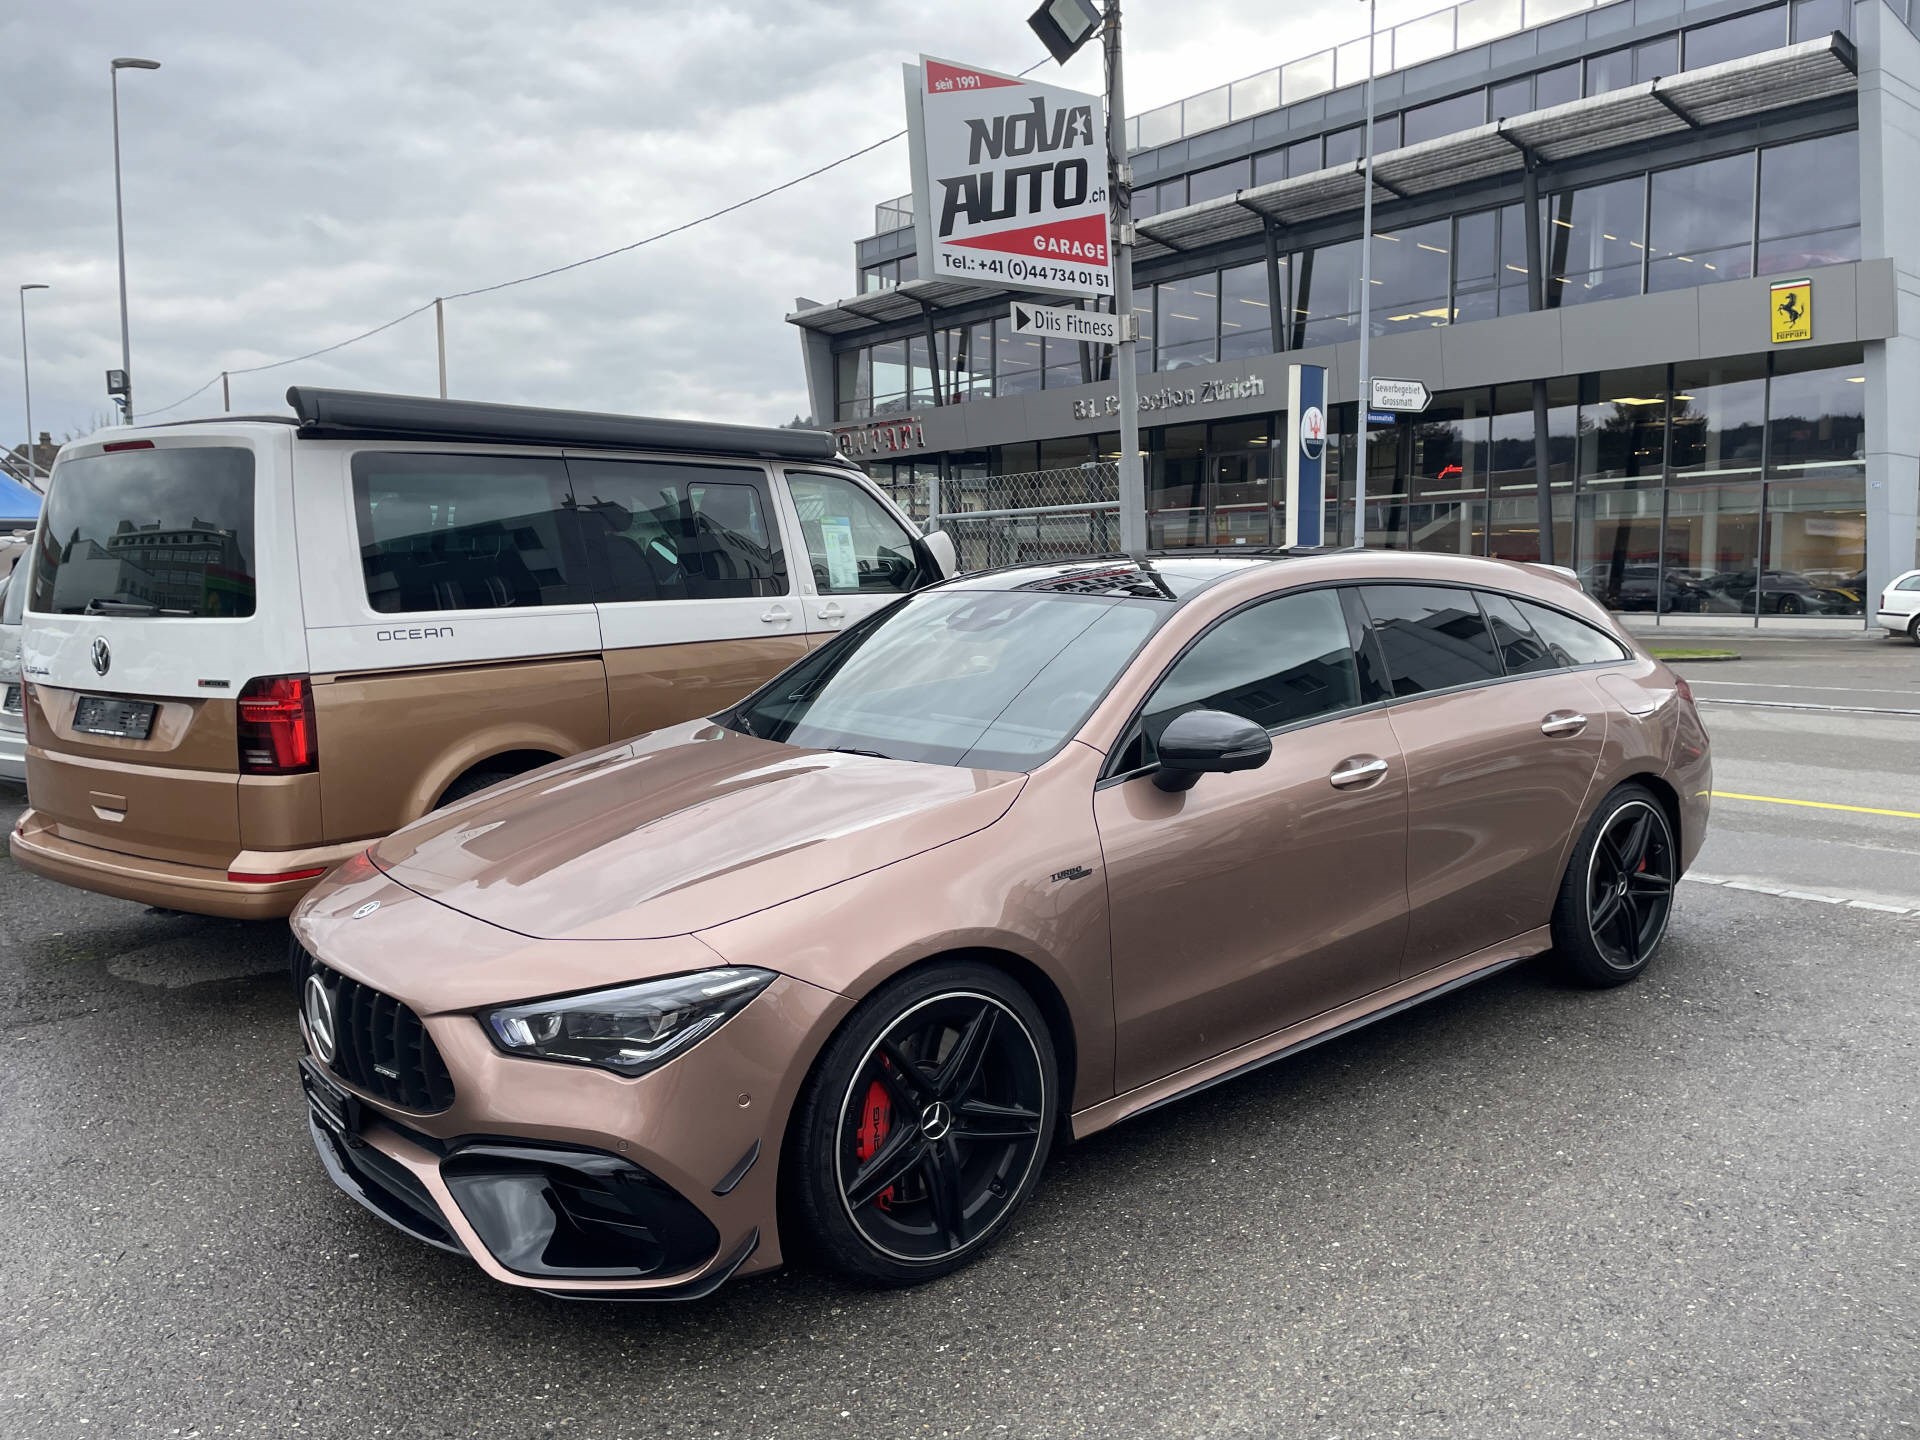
(1789, 605)
(1616, 898)
(1913, 630)
(471, 784)
(947, 1195)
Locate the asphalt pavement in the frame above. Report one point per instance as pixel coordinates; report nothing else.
(1682, 1208)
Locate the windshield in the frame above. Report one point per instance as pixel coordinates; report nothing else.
(149, 532)
(990, 679)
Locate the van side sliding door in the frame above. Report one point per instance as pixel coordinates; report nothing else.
(697, 599)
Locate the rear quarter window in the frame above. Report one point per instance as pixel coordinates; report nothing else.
(1571, 641)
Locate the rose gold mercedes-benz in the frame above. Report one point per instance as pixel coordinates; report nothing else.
(1014, 859)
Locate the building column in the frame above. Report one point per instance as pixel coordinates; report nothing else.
(1890, 225)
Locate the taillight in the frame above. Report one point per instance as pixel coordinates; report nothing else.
(277, 733)
(1686, 690)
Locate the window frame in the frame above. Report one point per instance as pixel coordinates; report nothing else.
(802, 576)
(1362, 641)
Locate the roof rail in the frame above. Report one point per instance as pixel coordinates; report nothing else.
(364, 414)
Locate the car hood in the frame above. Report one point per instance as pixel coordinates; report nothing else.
(682, 830)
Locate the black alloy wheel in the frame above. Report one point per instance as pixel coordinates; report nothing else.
(1617, 896)
(926, 1124)
(1790, 605)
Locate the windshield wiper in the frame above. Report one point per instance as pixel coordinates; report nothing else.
(850, 750)
(128, 607)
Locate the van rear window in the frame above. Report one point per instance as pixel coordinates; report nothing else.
(163, 532)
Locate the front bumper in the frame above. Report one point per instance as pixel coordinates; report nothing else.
(35, 845)
(577, 1182)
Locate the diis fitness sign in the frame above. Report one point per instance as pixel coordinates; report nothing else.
(1009, 180)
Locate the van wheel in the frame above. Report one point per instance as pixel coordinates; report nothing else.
(1617, 895)
(471, 784)
(924, 1125)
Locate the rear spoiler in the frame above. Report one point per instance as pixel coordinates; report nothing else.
(1556, 572)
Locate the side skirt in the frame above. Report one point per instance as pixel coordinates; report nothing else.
(1391, 1000)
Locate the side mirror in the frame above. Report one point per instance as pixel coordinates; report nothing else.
(1208, 742)
(940, 545)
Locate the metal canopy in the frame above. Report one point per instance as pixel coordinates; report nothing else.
(1793, 75)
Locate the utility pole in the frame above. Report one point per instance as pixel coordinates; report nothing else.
(1133, 488)
(440, 335)
(26, 384)
(226, 394)
(120, 230)
(1365, 388)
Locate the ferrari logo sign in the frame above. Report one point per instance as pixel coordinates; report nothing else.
(1792, 303)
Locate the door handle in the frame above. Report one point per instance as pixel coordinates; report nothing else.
(1563, 722)
(832, 610)
(776, 615)
(1360, 770)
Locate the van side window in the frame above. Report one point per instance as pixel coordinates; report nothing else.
(853, 544)
(1433, 636)
(1570, 641)
(671, 531)
(1276, 663)
(465, 532)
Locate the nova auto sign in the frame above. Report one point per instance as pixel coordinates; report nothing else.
(1009, 180)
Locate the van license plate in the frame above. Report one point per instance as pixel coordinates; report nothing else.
(123, 719)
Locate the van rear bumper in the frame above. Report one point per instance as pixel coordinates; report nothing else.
(196, 889)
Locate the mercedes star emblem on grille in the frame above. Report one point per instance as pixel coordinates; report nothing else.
(318, 1005)
(102, 657)
(366, 910)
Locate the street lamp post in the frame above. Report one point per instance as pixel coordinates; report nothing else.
(1365, 387)
(26, 378)
(120, 229)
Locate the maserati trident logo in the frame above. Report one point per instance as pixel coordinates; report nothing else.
(102, 657)
(318, 1005)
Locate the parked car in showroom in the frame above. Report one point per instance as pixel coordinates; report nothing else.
(1776, 592)
(1012, 860)
(1899, 612)
(255, 643)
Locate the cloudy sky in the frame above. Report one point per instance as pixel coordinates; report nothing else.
(298, 172)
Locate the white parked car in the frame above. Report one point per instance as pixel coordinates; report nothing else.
(1900, 606)
(13, 723)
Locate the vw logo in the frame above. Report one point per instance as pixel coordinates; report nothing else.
(317, 1005)
(936, 1120)
(366, 910)
(102, 657)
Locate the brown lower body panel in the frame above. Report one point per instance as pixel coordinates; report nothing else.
(203, 890)
(1321, 1027)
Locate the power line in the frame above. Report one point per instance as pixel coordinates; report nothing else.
(682, 228)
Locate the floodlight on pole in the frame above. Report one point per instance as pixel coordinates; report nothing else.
(124, 62)
(1064, 26)
(26, 378)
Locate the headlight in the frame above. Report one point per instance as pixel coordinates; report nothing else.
(631, 1030)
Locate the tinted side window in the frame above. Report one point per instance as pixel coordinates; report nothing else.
(853, 544)
(1570, 641)
(1912, 582)
(666, 531)
(1432, 637)
(465, 532)
(1521, 651)
(1278, 663)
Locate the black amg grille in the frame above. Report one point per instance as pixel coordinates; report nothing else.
(379, 1044)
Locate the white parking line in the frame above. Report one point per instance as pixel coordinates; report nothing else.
(1909, 692)
(1782, 892)
(1798, 705)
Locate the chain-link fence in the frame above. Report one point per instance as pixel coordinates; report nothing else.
(1041, 515)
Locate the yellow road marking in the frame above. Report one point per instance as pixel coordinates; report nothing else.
(1817, 805)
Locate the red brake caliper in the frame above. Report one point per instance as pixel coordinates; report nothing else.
(876, 1119)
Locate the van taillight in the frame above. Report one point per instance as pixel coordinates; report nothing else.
(277, 734)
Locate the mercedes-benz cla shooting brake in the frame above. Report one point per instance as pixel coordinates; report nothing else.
(1016, 858)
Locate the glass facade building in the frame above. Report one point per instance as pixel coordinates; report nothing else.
(1695, 465)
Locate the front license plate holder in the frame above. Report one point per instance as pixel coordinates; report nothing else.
(333, 1107)
(121, 719)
